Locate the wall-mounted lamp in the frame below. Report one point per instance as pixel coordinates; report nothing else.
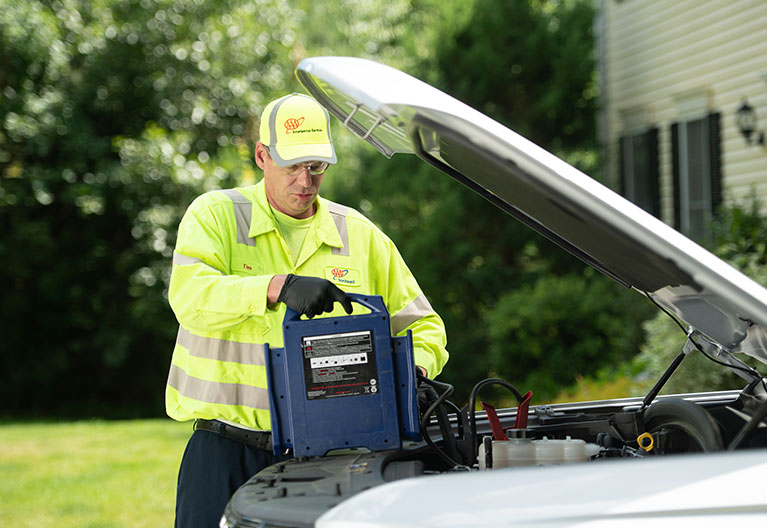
(746, 119)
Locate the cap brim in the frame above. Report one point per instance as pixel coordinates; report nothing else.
(287, 155)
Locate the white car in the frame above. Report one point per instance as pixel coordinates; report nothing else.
(687, 460)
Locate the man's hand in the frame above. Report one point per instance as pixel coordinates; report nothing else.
(312, 296)
(425, 392)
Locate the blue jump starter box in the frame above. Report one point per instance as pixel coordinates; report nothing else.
(342, 382)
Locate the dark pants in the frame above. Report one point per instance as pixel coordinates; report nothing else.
(212, 469)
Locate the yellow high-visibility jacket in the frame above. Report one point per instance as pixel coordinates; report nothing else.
(228, 249)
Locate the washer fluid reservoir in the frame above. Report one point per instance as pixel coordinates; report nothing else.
(517, 452)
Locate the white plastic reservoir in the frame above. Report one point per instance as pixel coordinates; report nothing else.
(517, 452)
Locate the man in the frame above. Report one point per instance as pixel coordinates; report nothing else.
(244, 254)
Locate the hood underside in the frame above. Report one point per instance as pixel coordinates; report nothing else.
(395, 112)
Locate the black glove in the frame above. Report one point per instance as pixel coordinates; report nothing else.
(312, 296)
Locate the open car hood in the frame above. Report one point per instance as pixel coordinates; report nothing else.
(395, 112)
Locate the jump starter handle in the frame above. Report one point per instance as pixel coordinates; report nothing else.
(374, 303)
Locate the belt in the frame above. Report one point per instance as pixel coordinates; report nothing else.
(258, 439)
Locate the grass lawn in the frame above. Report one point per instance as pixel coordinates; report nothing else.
(93, 474)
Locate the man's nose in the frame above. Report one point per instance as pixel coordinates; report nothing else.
(304, 177)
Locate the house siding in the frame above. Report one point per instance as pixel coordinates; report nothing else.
(664, 61)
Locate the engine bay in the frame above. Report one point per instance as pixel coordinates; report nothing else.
(297, 491)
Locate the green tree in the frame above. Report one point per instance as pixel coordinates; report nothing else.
(114, 116)
(501, 288)
(530, 65)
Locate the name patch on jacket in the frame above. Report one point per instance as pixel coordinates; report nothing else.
(343, 276)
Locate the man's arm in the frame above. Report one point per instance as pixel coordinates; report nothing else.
(202, 295)
(411, 310)
(429, 342)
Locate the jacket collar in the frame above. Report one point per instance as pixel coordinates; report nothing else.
(263, 221)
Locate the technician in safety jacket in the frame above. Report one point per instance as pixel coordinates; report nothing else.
(241, 257)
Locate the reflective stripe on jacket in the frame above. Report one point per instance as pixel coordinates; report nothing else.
(228, 249)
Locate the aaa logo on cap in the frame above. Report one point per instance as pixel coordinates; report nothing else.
(292, 124)
(343, 276)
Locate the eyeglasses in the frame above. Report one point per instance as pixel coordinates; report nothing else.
(315, 167)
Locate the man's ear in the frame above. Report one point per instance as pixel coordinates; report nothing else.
(261, 155)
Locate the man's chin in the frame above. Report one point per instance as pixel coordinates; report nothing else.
(301, 207)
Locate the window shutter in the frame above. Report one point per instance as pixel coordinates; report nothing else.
(653, 169)
(715, 163)
(675, 173)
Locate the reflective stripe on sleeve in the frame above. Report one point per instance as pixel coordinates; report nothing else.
(338, 213)
(221, 349)
(216, 392)
(417, 308)
(243, 210)
(183, 260)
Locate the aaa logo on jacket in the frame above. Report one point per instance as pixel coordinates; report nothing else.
(292, 124)
(343, 276)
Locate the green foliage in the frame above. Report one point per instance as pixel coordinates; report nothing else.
(607, 384)
(529, 65)
(400, 33)
(115, 115)
(664, 342)
(738, 232)
(546, 334)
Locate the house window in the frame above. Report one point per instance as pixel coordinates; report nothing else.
(639, 170)
(697, 174)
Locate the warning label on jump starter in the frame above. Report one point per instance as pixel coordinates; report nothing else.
(338, 365)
